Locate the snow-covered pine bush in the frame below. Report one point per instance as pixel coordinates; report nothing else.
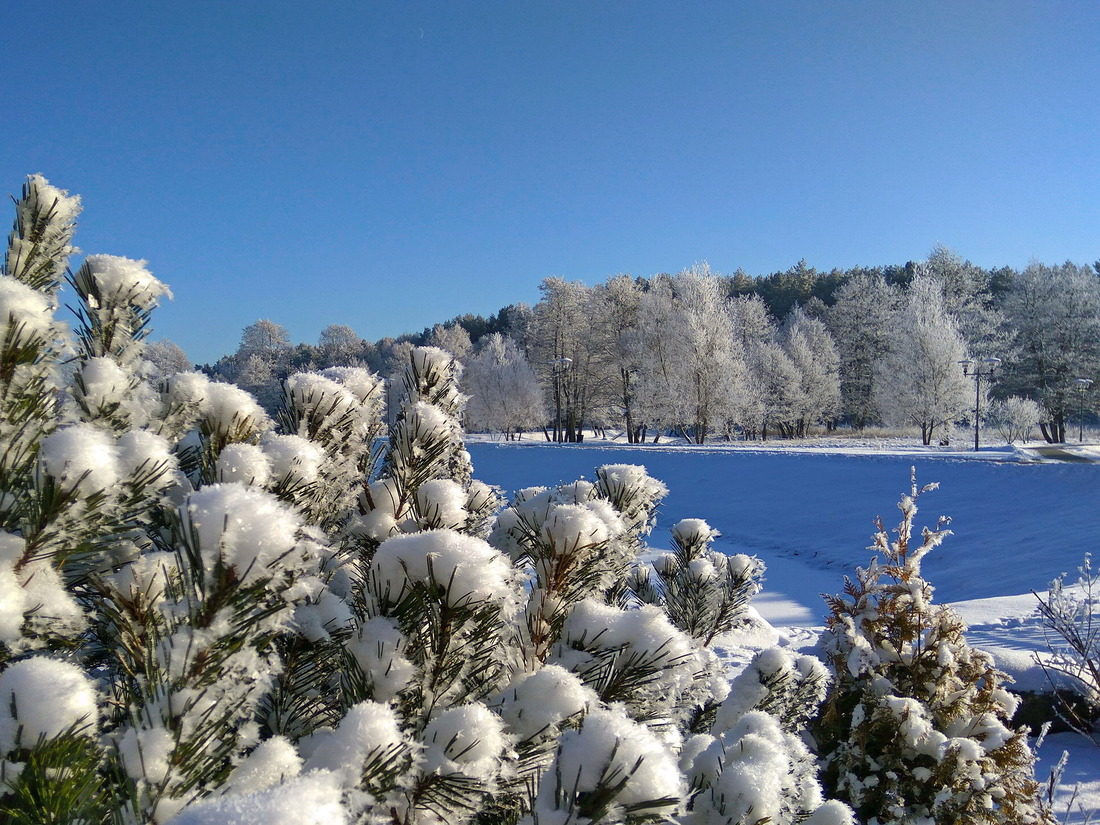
(32, 340)
(704, 592)
(915, 726)
(575, 543)
(278, 631)
(425, 479)
(341, 411)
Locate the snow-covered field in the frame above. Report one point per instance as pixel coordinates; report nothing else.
(1019, 519)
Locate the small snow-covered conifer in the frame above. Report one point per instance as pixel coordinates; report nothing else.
(915, 727)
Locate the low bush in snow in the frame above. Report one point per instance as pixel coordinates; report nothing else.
(209, 616)
(1071, 617)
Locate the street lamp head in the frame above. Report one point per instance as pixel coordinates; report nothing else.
(992, 362)
(1083, 383)
(966, 364)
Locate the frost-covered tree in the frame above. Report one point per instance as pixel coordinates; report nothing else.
(1056, 313)
(915, 726)
(778, 392)
(713, 373)
(861, 322)
(264, 338)
(1015, 418)
(453, 338)
(919, 382)
(569, 354)
(621, 297)
(969, 299)
(692, 370)
(811, 350)
(504, 393)
(339, 346)
(165, 358)
(658, 356)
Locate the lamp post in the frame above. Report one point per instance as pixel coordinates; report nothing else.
(1082, 385)
(974, 369)
(558, 364)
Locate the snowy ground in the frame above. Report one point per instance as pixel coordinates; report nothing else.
(1020, 518)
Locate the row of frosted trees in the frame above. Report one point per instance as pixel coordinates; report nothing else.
(699, 355)
(678, 354)
(210, 615)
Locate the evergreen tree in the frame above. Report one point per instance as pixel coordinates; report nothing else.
(915, 726)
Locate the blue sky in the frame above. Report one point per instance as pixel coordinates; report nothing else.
(391, 165)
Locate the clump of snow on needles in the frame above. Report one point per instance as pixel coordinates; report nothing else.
(44, 697)
(248, 528)
(610, 744)
(469, 567)
(125, 280)
(81, 458)
(369, 728)
(25, 310)
(537, 703)
(309, 799)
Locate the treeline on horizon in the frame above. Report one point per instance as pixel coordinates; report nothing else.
(590, 362)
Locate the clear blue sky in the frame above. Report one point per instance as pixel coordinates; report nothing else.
(390, 165)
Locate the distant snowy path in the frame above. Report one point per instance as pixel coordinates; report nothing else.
(1016, 525)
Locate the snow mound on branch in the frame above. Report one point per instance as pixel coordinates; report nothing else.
(378, 649)
(361, 383)
(294, 460)
(467, 740)
(611, 745)
(125, 280)
(539, 702)
(368, 729)
(248, 528)
(311, 799)
(273, 761)
(24, 309)
(42, 697)
(442, 503)
(81, 458)
(245, 463)
(148, 454)
(469, 568)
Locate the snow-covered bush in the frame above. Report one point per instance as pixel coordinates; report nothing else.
(1015, 418)
(1071, 617)
(704, 592)
(915, 727)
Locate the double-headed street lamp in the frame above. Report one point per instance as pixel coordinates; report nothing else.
(1082, 385)
(979, 370)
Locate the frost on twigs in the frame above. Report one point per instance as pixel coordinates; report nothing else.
(915, 725)
(1071, 619)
